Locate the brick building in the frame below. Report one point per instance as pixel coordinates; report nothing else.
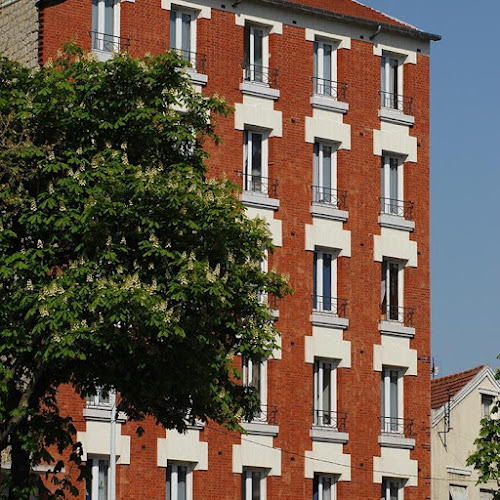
(329, 141)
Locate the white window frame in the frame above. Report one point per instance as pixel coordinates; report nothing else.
(247, 483)
(460, 493)
(386, 488)
(319, 67)
(385, 288)
(179, 11)
(249, 58)
(389, 98)
(94, 481)
(321, 483)
(100, 35)
(248, 178)
(247, 369)
(323, 193)
(387, 424)
(392, 205)
(487, 401)
(174, 484)
(319, 298)
(322, 414)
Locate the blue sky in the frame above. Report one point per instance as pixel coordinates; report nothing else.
(465, 176)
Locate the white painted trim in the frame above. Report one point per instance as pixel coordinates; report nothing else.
(325, 211)
(259, 90)
(406, 56)
(459, 471)
(274, 26)
(395, 116)
(489, 392)
(328, 435)
(328, 103)
(343, 42)
(204, 12)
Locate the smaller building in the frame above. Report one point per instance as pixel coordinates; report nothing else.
(459, 402)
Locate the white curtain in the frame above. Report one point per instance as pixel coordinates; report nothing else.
(458, 492)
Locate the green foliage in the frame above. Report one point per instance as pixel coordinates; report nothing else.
(486, 458)
(121, 264)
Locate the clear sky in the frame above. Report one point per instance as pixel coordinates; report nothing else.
(465, 176)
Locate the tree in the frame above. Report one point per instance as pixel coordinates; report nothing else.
(486, 458)
(121, 265)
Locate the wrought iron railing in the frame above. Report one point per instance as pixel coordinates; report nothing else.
(266, 415)
(333, 197)
(195, 59)
(396, 101)
(105, 42)
(330, 88)
(260, 74)
(333, 419)
(403, 315)
(392, 425)
(333, 305)
(400, 208)
(259, 184)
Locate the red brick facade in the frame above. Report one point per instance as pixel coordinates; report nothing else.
(290, 379)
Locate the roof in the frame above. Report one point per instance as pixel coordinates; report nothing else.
(451, 384)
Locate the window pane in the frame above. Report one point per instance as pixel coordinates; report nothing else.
(394, 290)
(173, 17)
(256, 478)
(109, 23)
(315, 278)
(393, 179)
(95, 15)
(181, 482)
(327, 64)
(169, 482)
(326, 392)
(258, 36)
(256, 377)
(186, 33)
(394, 400)
(327, 169)
(88, 483)
(327, 281)
(103, 480)
(327, 488)
(257, 155)
(316, 46)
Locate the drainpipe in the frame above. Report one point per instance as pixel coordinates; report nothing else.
(379, 29)
(112, 462)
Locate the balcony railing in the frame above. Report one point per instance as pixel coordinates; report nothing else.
(399, 208)
(105, 42)
(259, 184)
(392, 425)
(260, 74)
(332, 305)
(332, 197)
(266, 415)
(396, 101)
(403, 315)
(336, 420)
(330, 88)
(195, 59)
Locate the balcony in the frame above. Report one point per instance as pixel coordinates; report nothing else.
(196, 69)
(260, 81)
(396, 432)
(258, 191)
(329, 312)
(329, 95)
(329, 203)
(396, 214)
(396, 108)
(396, 320)
(105, 45)
(329, 426)
(264, 422)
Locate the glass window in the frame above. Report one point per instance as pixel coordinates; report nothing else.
(391, 291)
(255, 162)
(324, 487)
(324, 69)
(390, 75)
(324, 281)
(392, 186)
(98, 484)
(256, 54)
(325, 173)
(178, 476)
(392, 489)
(325, 393)
(253, 484)
(105, 27)
(391, 396)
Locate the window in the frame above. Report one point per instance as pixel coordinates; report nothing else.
(253, 484)
(391, 290)
(98, 484)
(179, 481)
(486, 495)
(101, 398)
(105, 26)
(325, 174)
(183, 34)
(325, 281)
(325, 397)
(391, 75)
(325, 70)
(392, 489)
(256, 56)
(391, 400)
(255, 375)
(486, 404)
(458, 492)
(324, 487)
(255, 163)
(392, 186)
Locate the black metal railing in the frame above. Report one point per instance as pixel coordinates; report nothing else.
(333, 197)
(396, 101)
(266, 415)
(400, 208)
(332, 305)
(259, 184)
(403, 315)
(260, 74)
(195, 59)
(104, 42)
(392, 425)
(330, 88)
(333, 419)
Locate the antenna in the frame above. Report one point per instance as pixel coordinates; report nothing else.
(446, 420)
(434, 369)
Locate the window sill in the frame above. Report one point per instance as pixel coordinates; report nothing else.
(260, 429)
(97, 414)
(319, 101)
(328, 435)
(395, 116)
(197, 78)
(328, 320)
(395, 222)
(259, 200)
(396, 329)
(326, 211)
(396, 441)
(259, 90)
